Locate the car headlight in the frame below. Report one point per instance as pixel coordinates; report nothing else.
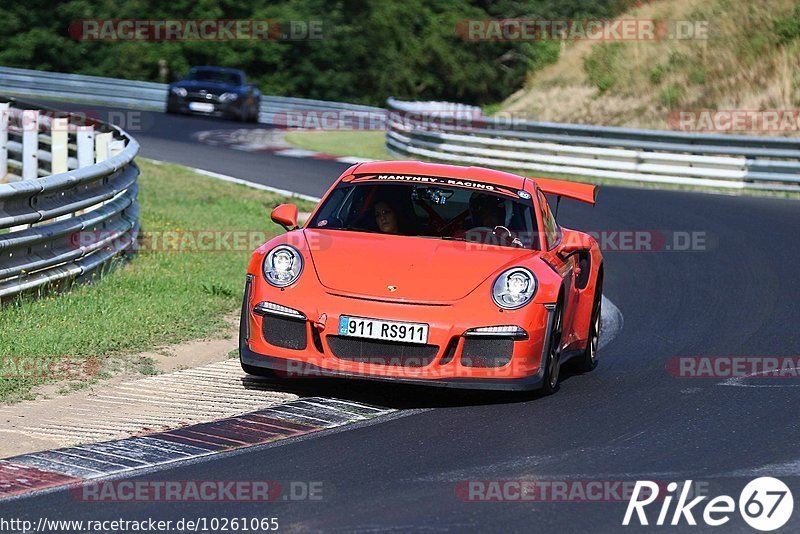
(180, 91)
(514, 288)
(283, 266)
(225, 97)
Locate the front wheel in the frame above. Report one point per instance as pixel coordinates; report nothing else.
(552, 364)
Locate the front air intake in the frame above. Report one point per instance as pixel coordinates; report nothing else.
(486, 352)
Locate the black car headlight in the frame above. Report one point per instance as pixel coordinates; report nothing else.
(179, 91)
(228, 97)
(514, 288)
(283, 266)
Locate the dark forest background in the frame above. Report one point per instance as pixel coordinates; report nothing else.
(370, 48)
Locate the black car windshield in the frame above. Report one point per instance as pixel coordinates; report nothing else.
(433, 211)
(207, 75)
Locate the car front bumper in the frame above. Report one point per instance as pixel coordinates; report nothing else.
(178, 104)
(311, 347)
(297, 369)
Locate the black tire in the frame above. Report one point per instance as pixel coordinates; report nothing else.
(588, 360)
(249, 369)
(552, 364)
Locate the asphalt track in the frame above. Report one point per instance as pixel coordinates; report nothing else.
(629, 419)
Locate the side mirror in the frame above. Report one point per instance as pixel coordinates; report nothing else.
(286, 216)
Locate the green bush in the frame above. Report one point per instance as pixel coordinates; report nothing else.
(670, 95)
(599, 65)
(657, 74)
(698, 76)
(788, 28)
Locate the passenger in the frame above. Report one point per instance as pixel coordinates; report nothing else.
(386, 218)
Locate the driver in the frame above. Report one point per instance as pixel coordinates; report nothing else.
(488, 221)
(487, 211)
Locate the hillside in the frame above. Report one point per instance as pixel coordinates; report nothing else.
(749, 61)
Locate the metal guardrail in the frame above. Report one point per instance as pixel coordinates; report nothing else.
(69, 208)
(145, 95)
(456, 133)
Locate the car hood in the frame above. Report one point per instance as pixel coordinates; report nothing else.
(421, 269)
(212, 87)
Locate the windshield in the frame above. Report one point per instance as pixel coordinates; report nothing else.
(433, 211)
(229, 78)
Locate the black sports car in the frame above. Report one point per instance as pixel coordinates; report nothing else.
(216, 91)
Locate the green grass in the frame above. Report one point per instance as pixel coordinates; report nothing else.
(362, 144)
(599, 65)
(158, 297)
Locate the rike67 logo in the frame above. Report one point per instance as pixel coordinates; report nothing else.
(766, 504)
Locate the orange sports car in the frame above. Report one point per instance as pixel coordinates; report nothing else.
(426, 274)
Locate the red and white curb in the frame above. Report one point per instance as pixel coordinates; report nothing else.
(303, 153)
(39, 471)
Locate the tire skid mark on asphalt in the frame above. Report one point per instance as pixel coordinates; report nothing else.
(611, 322)
(73, 465)
(785, 469)
(739, 381)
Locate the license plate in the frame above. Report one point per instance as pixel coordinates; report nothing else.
(383, 330)
(205, 107)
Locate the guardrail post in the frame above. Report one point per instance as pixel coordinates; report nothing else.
(85, 140)
(115, 147)
(4, 142)
(59, 134)
(101, 146)
(102, 151)
(89, 185)
(30, 144)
